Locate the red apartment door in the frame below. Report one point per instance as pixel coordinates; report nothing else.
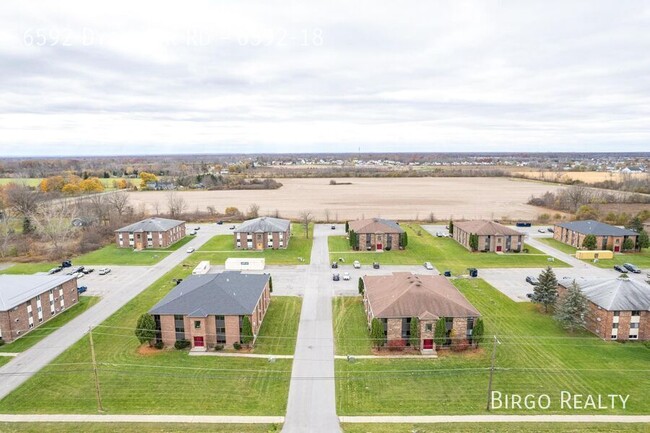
(427, 343)
(498, 248)
(198, 341)
(617, 248)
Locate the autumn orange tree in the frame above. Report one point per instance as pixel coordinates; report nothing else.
(146, 177)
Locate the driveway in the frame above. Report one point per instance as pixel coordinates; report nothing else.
(125, 287)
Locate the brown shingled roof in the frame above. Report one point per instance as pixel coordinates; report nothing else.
(403, 294)
(375, 225)
(483, 228)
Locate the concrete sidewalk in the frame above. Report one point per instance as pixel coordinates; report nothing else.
(182, 419)
(496, 418)
(241, 355)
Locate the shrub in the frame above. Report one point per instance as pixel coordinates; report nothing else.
(396, 345)
(589, 242)
(628, 244)
(145, 328)
(459, 345)
(361, 286)
(159, 345)
(236, 346)
(182, 344)
(2, 342)
(246, 331)
(377, 333)
(218, 347)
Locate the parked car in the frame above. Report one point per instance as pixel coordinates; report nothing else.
(428, 266)
(630, 267)
(193, 232)
(190, 250)
(621, 269)
(88, 271)
(66, 264)
(79, 275)
(81, 289)
(54, 270)
(333, 227)
(550, 230)
(220, 222)
(232, 227)
(356, 264)
(335, 277)
(197, 228)
(541, 230)
(346, 276)
(335, 265)
(375, 265)
(104, 271)
(440, 234)
(532, 280)
(79, 269)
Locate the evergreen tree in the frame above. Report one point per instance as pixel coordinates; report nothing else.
(270, 284)
(403, 239)
(589, 242)
(635, 224)
(478, 331)
(572, 309)
(473, 241)
(347, 227)
(377, 333)
(628, 244)
(545, 291)
(362, 287)
(644, 241)
(27, 226)
(246, 331)
(353, 239)
(451, 227)
(440, 332)
(145, 329)
(414, 340)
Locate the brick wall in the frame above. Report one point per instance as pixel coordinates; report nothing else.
(375, 238)
(576, 239)
(275, 238)
(168, 330)
(169, 237)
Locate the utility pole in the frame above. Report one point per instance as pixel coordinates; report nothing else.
(98, 394)
(494, 355)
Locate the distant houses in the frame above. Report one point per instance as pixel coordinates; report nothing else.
(263, 233)
(150, 233)
(28, 301)
(376, 234)
(607, 237)
(489, 236)
(397, 298)
(619, 308)
(210, 309)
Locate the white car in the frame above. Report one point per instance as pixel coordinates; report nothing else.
(356, 264)
(79, 275)
(190, 250)
(193, 232)
(104, 271)
(346, 276)
(428, 266)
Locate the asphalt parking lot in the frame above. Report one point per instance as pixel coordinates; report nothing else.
(101, 285)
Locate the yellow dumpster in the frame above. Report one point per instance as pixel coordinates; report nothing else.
(594, 254)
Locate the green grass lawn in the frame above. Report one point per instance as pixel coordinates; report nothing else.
(33, 337)
(444, 253)
(535, 356)
(351, 335)
(280, 326)
(162, 382)
(3, 361)
(642, 259)
(112, 255)
(221, 247)
(138, 427)
(510, 427)
(29, 268)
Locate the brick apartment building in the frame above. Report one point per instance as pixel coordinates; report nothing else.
(209, 309)
(27, 301)
(395, 299)
(607, 237)
(263, 233)
(150, 233)
(619, 308)
(376, 234)
(492, 236)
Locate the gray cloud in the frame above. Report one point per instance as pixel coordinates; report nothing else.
(257, 77)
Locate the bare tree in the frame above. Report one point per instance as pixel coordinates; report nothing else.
(306, 217)
(6, 235)
(120, 202)
(53, 223)
(327, 215)
(176, 204)
(211, 210)
(99, 207)
(253, 210)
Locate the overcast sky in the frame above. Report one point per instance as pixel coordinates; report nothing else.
(279, 76)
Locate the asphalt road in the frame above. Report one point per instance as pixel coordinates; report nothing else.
(25, 365)
(312, 401)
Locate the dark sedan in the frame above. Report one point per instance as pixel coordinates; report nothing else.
(621, 269)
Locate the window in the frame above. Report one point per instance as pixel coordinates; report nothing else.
(197, 324)
(470, 327)
(385, 323)
(156, 319)
(634, 325)
(613, 336)
(633, 337)
(429, 327)
(617, 313)
(406, 329)
(614, 325)
(221, 329)
(636, 313)
(179, 327)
